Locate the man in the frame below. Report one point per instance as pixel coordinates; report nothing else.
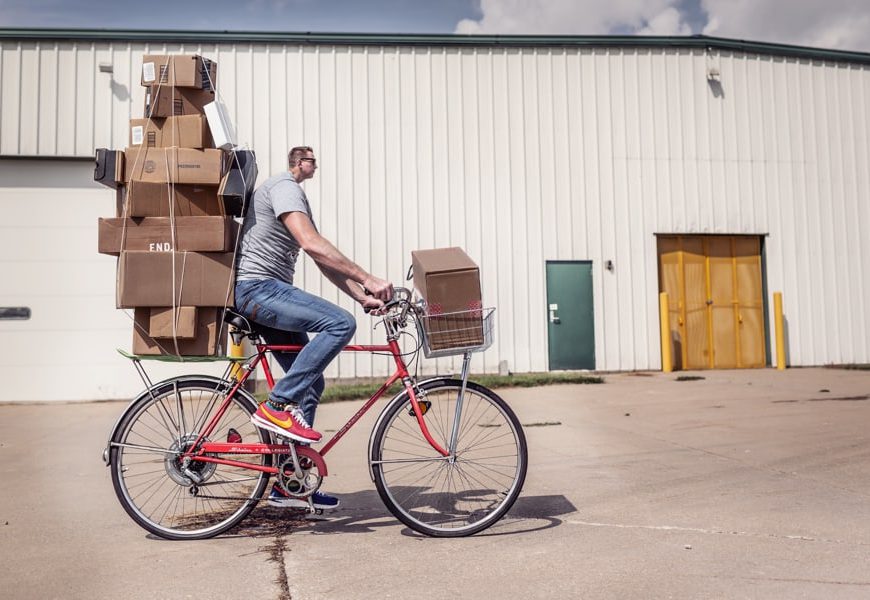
(278, 224)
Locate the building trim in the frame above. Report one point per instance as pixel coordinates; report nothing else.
(452, 40)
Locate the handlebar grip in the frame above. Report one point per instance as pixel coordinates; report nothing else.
(391, 302)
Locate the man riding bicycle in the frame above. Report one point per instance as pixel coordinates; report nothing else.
(279, 223)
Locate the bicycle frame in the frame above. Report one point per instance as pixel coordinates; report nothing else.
(201, 447)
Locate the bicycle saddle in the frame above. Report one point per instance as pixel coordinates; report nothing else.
(242, 324)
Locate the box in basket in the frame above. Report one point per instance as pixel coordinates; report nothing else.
(449, 282)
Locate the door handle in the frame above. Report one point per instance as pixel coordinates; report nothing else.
(553, 318)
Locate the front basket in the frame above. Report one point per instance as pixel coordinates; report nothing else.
(449, 334)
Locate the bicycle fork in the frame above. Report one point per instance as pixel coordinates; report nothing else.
(416, 410)
(454, 434)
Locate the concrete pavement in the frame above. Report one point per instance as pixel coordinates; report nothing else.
(744, 484)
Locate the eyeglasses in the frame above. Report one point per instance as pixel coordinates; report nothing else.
(313, 161)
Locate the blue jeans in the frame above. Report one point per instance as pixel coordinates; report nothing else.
(285, 315)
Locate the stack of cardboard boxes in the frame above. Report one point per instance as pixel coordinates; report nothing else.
(180, 184)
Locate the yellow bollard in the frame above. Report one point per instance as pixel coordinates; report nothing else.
(667, 347)
(780, 330)
(236, 351)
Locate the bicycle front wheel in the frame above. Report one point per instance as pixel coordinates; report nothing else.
(158, 490)
(435, 495)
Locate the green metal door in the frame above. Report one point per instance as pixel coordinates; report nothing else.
(570, 320)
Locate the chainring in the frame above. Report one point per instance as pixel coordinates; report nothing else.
(294, 486)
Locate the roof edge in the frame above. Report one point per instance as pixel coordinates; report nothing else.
(389, 39)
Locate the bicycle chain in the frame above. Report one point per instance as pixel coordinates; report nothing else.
(258, 500)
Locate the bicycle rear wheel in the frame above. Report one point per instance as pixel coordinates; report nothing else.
(184, 502)
(430, 493)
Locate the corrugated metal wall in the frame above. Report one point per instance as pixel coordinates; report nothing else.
(527, 155)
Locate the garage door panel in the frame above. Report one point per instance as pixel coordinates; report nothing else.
(24, 244)
(68, 313)
(50, 264)
(59, 279)
(716, 280)
(110, 377)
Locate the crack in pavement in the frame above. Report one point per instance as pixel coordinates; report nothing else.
(802, 538)
(276, 555)
(798, 580)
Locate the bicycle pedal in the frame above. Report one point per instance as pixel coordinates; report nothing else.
(424, 405)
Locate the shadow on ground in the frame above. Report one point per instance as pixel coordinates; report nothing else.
(363, 512)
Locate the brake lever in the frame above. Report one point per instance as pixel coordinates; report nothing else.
(386, 305)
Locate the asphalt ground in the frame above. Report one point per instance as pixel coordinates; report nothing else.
(744, 484)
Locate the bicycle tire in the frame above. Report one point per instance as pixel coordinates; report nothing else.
(151, 484)
(430, 494)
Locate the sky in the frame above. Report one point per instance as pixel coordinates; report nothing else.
(839, 24)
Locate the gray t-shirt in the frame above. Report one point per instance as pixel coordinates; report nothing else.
(267, 249)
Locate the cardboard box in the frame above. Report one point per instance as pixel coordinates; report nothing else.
(109, 167)
(166, 101)
(237, 186)
(222, 130)
(145, 199)
(155, 234)
(120, 196)
(145, 279)
(209, 340)
(181, 70)
(173, 165)
(449, 282)
(186, 131)
(161, 320)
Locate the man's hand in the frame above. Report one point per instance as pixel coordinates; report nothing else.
(372, 305)
(378, 288)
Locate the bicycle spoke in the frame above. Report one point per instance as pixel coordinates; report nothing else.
(188, 499)
(458, 496)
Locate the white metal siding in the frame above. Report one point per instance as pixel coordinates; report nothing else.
(527, 155)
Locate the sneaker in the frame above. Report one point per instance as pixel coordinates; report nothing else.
(321, 501)
(289, 423)
(233, 436)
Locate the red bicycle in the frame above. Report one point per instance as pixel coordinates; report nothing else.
(448, 456)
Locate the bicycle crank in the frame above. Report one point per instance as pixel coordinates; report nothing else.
(299, 478)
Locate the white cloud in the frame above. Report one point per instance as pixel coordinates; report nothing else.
(667, 22)
(576, 17)
(842, 24)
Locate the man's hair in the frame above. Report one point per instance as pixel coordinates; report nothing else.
(296, 153)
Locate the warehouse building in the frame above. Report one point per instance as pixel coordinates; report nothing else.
(585, 175)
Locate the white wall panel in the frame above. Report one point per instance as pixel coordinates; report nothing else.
(524, 155)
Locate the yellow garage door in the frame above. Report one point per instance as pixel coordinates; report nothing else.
(716, 302)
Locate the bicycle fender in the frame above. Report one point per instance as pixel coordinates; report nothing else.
(401, 397)
(153, 390)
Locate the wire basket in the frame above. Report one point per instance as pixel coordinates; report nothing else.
(448, 334)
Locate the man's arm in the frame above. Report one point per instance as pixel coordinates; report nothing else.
(345, 284)
(339, 269)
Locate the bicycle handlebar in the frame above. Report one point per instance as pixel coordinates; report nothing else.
(400, 296)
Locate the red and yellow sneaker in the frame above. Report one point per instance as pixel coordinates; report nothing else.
(289, 423)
